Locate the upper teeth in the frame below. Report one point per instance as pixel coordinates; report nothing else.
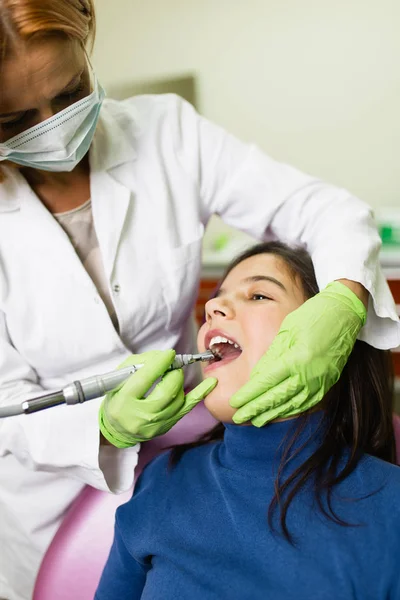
(218, 339)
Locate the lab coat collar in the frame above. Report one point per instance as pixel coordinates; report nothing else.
(10, 190)
(114, 140)
(112, 146)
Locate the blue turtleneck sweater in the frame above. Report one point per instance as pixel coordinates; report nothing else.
(200, 531)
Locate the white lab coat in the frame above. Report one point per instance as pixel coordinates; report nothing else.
(158, 172)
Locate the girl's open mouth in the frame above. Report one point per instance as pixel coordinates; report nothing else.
(224, 349)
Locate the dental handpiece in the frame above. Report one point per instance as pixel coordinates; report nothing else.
(93, 387)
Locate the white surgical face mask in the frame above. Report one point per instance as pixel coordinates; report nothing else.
(60, 142)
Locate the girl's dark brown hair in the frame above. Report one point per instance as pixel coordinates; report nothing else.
(357, 415)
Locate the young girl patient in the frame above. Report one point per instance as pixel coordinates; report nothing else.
(304, 508)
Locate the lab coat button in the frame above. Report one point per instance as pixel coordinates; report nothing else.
(116, 288)
(97, 299)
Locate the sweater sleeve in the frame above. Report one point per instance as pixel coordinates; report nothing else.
(123, 576)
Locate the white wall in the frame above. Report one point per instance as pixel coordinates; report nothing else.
(314, 82)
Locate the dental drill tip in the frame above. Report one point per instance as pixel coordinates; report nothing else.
(205, 356)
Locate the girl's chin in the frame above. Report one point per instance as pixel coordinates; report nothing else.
(217, 403)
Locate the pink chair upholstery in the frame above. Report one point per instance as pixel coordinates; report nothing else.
(74, 561)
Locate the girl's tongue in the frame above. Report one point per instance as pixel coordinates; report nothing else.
(225, 352)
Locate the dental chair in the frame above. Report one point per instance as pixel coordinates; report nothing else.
(74, 561)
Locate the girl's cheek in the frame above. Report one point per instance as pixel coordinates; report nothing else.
(260, 347)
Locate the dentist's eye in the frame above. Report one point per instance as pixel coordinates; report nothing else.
(72, 93)
(14, 122)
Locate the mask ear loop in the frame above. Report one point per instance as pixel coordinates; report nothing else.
(92, 77)
(92, 74)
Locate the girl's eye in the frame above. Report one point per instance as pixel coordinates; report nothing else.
(260, 297)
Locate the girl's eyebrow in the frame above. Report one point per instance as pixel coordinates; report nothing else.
(255, 278)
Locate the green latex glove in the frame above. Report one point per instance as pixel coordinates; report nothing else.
(126, 417)
(305, 359)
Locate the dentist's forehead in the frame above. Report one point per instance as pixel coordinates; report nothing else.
(39, 70)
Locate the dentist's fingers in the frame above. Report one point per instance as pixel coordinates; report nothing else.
(155, 364)
(291, 407)
(198, 394)
(265, 378)
(146, 420)
(148, 415)
(190, 401)
(166, 399)
(264, 403)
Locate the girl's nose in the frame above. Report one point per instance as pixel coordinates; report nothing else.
(219, 307)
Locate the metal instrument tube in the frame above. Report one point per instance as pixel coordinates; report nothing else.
(93, 387)
(99, 385)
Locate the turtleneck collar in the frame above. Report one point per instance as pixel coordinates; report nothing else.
(248, 448)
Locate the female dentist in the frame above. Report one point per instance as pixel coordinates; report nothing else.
(103, 206)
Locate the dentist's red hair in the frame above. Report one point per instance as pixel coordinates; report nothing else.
(20, 20)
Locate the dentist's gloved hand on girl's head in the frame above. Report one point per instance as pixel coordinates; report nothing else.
(127, 417)
(305, 359)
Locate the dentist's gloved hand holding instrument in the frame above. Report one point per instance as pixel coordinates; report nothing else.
(305, 359)
(98, 385)
(127, 417)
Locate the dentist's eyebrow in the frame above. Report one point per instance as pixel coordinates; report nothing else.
(74, 81)
(12, 114)
(256, 278)
(65, 90)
